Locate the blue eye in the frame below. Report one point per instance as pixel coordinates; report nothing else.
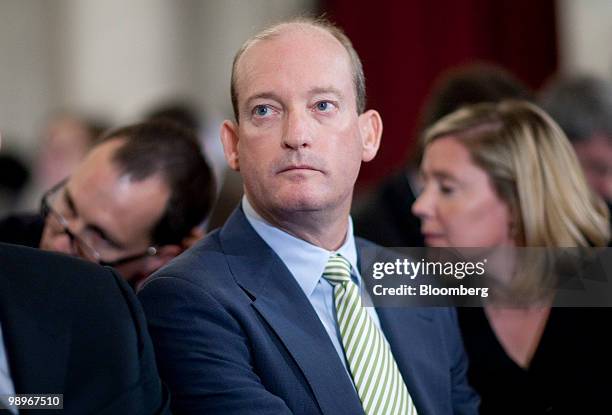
(324, 106)
(261, 110)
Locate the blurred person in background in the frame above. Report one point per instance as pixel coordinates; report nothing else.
(582, 106)
(134, 203)
(66, 138)
(504, 175)
(385, 217)
(56, 314)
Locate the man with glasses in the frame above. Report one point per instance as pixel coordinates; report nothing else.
(74, 330)
(57, 206)
(134, 203)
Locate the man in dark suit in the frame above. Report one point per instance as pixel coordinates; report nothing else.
(74, 328)
(264, 316)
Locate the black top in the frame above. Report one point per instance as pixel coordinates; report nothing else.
(571, 370)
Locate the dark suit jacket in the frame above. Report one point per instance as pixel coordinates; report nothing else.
(75, 328)
(235, 334)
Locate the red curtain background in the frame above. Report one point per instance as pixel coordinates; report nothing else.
(404, 45)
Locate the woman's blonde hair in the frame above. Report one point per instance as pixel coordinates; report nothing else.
(534, 169)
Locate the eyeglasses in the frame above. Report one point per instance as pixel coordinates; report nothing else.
(55, 207)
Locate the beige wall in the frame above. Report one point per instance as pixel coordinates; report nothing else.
(116, 58)
(585, 36)
(25, 79)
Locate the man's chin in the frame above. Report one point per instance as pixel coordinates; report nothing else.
(301, 204)
(302, 199)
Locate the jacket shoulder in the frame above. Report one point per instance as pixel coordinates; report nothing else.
(202, 265)
(38, 266)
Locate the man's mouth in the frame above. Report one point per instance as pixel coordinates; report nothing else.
(298, 167)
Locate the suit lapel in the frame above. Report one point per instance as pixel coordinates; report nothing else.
(282, 303)
(407, 331)
(36, 332)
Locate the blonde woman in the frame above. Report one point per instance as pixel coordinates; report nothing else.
(504, 175)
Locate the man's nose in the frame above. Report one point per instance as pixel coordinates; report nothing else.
(298, 130)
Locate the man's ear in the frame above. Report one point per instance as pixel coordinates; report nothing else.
(229, 138)
(370, 127)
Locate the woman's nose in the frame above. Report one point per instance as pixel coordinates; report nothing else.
(423, 206)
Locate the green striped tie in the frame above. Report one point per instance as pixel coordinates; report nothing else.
(376, 376)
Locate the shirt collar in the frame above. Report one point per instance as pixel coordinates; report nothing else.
(304, 260)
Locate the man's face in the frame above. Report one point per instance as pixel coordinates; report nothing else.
(109, 212)
(595, 155)
(299, 142)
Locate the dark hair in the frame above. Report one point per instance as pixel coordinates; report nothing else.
(471, 84)
(172, 151)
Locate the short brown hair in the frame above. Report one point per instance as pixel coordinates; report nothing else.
(321, 23)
